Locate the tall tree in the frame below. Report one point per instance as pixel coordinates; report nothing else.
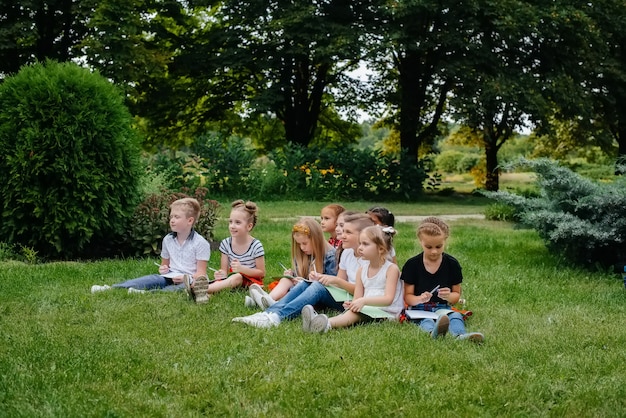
(417, 50)
(277, 57)
(36, 30)
(526, 64)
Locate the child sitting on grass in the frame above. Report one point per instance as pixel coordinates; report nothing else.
(377, 284)
(432, 281)
(309, 253)
(184, 253)
(242, 255)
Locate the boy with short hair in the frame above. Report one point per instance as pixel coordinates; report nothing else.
(184, 253)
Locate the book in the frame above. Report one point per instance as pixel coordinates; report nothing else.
(419, 314)
(338, 293)
(376, 312)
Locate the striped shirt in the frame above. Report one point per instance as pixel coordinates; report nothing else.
(247, 259)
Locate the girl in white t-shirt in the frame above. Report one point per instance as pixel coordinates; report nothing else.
(377, 284)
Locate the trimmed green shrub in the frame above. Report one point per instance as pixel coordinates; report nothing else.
(150, 222)
(70, 161)
(499, 212)
(582, 220)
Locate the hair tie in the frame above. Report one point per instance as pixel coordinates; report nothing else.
(389, 230)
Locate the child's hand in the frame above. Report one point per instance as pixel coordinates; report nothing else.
(177, 279)
(315, 276)
(444, 293)
(288, 272)
(325, 279)
(357, 305)
(346, 304)
(164, 269)
(219, 275)
(235, 265)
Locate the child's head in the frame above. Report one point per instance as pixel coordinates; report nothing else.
(353, 224)
(432, 233)
(381, 216)
(307, 245)
(375, 242)
(186, 209)
(243, 216)
(340, 221)
(329, 216)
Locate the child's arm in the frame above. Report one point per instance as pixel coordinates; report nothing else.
(411, 299)
(164, 267)
(257, 272)
(393, 275)
(222, 273)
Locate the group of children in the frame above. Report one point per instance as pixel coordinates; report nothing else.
(353, 272)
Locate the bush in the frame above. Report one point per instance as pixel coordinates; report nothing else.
(499, 212)
(150, 221)
(449, 161)
(581, 220)
(70, 160)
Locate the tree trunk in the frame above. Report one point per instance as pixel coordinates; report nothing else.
(621, 150)
(492, 175)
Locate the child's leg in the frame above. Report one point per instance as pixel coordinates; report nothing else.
(281, 288)
(345, 319)
(457, 325)
(152, 281)
(233, 281)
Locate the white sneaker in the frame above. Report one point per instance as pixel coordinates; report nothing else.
(256, 296)
(249, 302)
(267, 301)
(475, 337)
(97, 288)
(133, 290)
(308, 313)
(257, 288)
(319, 323)
(259, 320)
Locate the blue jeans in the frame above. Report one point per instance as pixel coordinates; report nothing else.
(151, 282)
(457, 325)
(304, 293)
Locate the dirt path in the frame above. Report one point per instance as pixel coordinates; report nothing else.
(401, 218)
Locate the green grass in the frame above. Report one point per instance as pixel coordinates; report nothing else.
(554, 342)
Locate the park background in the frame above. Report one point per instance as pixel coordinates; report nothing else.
(110, 110)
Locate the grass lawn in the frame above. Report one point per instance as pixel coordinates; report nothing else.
(555, 341)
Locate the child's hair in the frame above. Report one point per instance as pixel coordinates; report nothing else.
(381, 236)
(433, 227)
(336, 208)
(313, 230)
(249, 207)
(360, 220)
(384, 216)
(189, 205)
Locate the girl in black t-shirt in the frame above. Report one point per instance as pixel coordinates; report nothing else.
(432, 281)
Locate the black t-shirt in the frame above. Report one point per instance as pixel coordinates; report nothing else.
(448, 274)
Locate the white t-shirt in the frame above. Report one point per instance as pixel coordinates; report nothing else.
(184, 258)
(350, 263)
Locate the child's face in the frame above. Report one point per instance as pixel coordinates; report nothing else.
(239, 223)
(339, 226)
(433, 246)
(304, 242)
(179, 222)
(367, 249)
(328, 221)
(350, 236)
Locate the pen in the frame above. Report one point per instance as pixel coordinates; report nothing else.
(157, 264)
(435, 289)
(283, 266)
(211, 268)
